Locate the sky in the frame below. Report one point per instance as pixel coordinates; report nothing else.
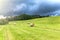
(32, 7)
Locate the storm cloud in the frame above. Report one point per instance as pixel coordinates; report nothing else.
(35, 7)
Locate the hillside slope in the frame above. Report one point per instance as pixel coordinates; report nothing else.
(44, 29)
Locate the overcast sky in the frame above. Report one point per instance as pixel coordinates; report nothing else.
(42, 7)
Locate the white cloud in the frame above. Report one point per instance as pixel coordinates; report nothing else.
(54, 1)
(7, 5)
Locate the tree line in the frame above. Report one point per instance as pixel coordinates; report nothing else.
(25, 17)
(20, 17)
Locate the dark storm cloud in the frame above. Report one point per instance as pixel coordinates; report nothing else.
(39, 7)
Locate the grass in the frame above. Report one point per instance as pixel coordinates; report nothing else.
(44, 29)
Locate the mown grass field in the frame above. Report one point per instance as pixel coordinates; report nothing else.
(44, 29)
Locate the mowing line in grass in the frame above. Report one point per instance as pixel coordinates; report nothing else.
(8, 34)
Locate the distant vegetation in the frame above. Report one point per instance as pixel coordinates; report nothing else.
(26, 17)
(5, 20)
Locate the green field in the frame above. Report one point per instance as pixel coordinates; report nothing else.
(45, 29)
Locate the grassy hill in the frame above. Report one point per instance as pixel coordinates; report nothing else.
(45, 29)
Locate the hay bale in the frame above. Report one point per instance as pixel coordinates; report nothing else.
(31, 24)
